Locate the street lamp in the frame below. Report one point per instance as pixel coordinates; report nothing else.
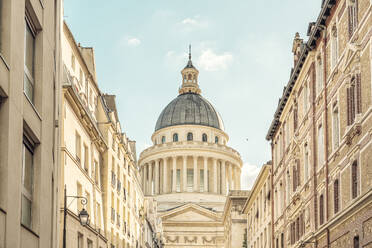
(83, 214)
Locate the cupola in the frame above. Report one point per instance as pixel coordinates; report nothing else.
(189, 78)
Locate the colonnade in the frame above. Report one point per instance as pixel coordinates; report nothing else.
(189, 173)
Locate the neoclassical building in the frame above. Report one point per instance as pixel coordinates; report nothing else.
(189, 169)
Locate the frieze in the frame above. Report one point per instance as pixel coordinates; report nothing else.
(169, 240)
(191, 241)
(211, 241)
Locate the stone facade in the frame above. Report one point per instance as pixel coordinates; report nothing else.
(98, 161)
(258, 211)
(189, 170)
(321, 134)
(29, 101)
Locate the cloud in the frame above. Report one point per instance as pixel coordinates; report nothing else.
(133, 41)
(249, 175)
(210, 61)
(192, 23)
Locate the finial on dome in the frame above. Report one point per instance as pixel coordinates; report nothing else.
(189, 77)
(190, 52)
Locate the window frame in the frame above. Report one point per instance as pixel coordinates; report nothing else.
(190, 136)
(30, 146)
(29, 75)
(175, 137)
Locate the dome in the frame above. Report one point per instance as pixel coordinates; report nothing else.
(189, 109)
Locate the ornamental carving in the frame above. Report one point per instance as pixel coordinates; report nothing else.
(354, 131)
(211, 241)
(169, 240)
(191, 241)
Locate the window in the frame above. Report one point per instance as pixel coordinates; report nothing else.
(175, 137)
(306, 95)
(189, 136)
(80, 240)
(295, 118)
(27, 182)
(353, 16)
(77, 147)
(86, 158)
(90, 243)
(216, 139)
(113, 142)
(319, 75)
(335, 128)
(336, 195)
(356, 241)
(306, 162)
(163, 139)
(282, 240)
(321, 209)
(190, 180)
(201, 180)
(204, 137)
(29, 76)
(354, 179)
(320, 143)
(354, 103)
(73, 62)
(334, 47)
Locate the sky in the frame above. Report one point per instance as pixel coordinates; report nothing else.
(242, 49)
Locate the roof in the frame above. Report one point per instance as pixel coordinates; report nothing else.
(314, 31)
(189, 109)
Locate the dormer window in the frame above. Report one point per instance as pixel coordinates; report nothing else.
(175, 137)
(163, 139)
(216, 139)
(189, 137)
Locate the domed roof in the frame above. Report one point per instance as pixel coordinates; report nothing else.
(189, 109)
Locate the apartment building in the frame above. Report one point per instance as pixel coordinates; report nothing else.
(258, 211)
(29, 89)
(122, 192)
(321, 134)
(82, 147)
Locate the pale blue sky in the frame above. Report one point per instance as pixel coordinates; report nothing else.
(242, 49)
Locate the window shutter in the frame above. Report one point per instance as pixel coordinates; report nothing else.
(335, 192)
(355, 179)
(358, 94)
(348, 104)
(298, 174)
(352, 102)
(294, 178)
(350, 17)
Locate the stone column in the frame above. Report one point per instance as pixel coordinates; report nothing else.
(230, 177)
(215, 176)
(205, 174)
(165, 176)
(184, 174)
(150, 178)
(196, 174)
(174, 173)
(223, 177)
(239, 176)
(156, 179)
(144, 186)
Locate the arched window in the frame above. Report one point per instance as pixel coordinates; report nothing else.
(175, 137)
(356, 241)
(336, 195)
(321, 210)
(216, 139)
(354, 179)
(163, 139)
(204, 137)
(189, 136)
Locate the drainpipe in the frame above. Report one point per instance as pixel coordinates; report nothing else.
(326, 126)
(272, 193)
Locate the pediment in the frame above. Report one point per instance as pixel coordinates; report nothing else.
(190, 213)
